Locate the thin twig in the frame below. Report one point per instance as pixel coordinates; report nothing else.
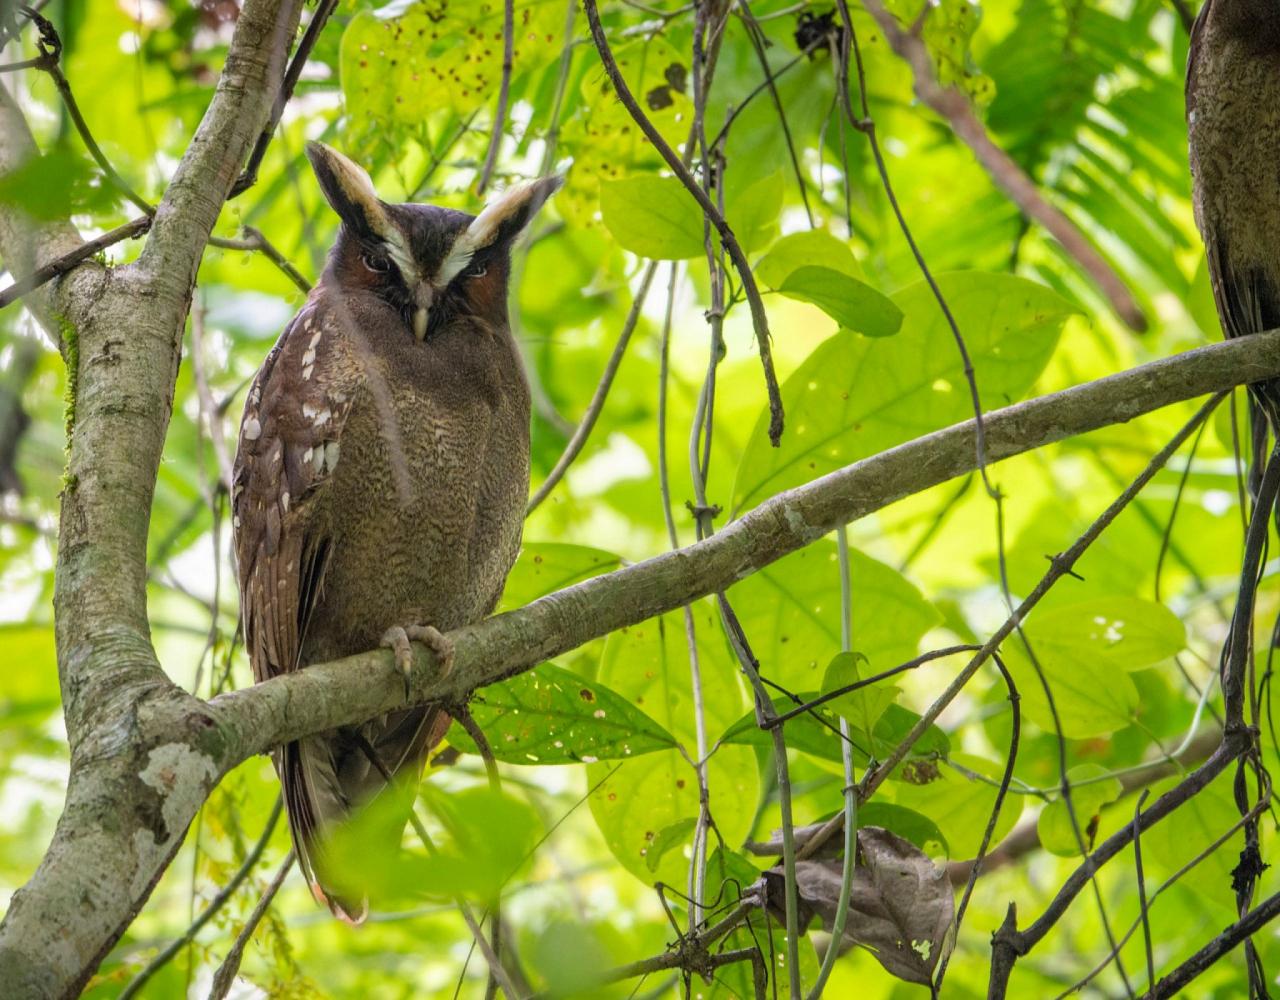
(757, 38)
(588, 422)
(975, 869)
(955, 108)
(254, 240)
(562, 84)
(210, 911)
(225, 976)
(1008, 942)
(249, 176)
(758, 316)
(63, 264)
(1143, 905)
(504, 89)
(847, 43)
(1173, 984)
(850, 787)
(1143, 917)
(50, 47)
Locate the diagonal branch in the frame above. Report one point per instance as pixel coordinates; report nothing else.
(27, 244)
(342, 692)
(953, 106)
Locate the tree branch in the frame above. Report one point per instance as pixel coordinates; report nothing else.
(61, 265)
(27, 244)
(325, 696)
(953, 106)
(144, 755)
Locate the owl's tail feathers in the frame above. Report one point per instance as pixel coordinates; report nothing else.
(326, 778)
(314, 802)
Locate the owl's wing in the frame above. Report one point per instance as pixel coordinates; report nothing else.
(288, 449)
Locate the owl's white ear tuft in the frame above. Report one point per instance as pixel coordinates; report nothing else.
(502, 220)
(507, 215)
(350, 192)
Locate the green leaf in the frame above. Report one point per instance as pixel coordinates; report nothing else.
(552, 716)
(545, 567)
(960, 805)
(810, 247)
(753, 212)
(1188, 833)
(488, 839)
(653, 217)
(56, 184)
(1130, 632)
(853, 304)
(791, 611)
(667, 838)
(1057, 835)
(1090, 695)
(491, 838)
(649, 665)
(855, 396)
(822, 738)
(1085, 650)
(906, 823)
(863, 707)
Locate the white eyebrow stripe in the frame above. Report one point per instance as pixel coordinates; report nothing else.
(456, 262)
(399, 251)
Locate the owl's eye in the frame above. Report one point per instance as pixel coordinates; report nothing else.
(476, 271)
(379, 265)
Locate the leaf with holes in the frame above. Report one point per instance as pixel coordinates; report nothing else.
(668, 838)
(959, 798)
(552, 716)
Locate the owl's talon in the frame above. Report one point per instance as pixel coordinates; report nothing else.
(397, 639)
(434, 640)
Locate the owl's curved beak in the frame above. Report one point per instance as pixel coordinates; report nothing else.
(423, 293)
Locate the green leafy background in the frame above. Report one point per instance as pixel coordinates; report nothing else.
(598, 750)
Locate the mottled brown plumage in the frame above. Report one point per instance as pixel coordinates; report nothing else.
(1233, 128)
(381, 474)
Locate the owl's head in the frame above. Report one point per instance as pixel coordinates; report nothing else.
(427, 263)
